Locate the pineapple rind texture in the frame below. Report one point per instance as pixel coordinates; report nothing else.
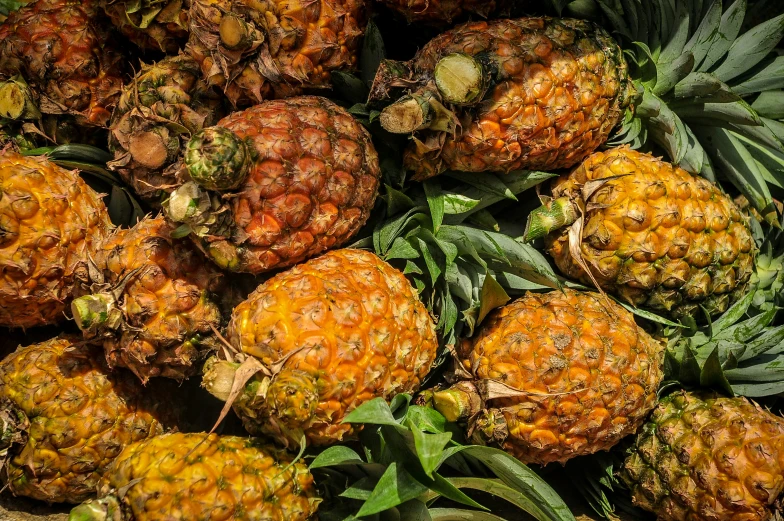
(279, 47)
(158, 111)
(353, 328)
(81, 416)
(588, 373)
(64, 53)
(655, 235)
(312, 184)
(706, 457)
(168, 301)
(206, 477)
(50, 221)
(559, 87)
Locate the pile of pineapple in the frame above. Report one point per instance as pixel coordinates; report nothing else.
(261, 271)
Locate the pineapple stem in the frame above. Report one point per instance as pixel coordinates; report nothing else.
(234, 33)
(217, 159)
(148, 149)
(103, 509)
(408, 114)
(460, 79)
(219, 378)
(16, 100)
(187, 204)
(460, 402)
(551, 216)
(92, 311)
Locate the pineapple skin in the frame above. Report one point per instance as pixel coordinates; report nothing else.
(290, 45)
(591, 372)
(312, 184)
(657, 236)
(354, 329)
(63, 51)
(558, 88)
(168, 305)
(706, 457)
(80, 418)
(167, 31)
(206, 477)
(435, 11)
(50, 221)
(168, 99)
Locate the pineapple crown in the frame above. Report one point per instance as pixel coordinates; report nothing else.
(217, 159)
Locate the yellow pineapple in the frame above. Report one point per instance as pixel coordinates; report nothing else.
(324, 337)
(64, 417)
(649, 232)
(703, 457)
(50, 221)
(555, 375)
(202, 477)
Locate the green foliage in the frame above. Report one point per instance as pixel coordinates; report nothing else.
(411, 459)
(709, 91)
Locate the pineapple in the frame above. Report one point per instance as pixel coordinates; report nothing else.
(439, 10)
(160, 25)
(50, 222)
(323, 338)
(153, 306)
(260, 50)
(529, 93)
(301, 176)
(649, 232)
(202, 477)
(62, 51)
(555, 375)
(707, 457)
(159, 110)
(65, 417)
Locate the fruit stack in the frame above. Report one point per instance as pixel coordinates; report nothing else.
(261, 260)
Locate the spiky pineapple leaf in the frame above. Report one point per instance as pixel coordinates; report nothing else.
(750, 48)
(729, 28)
(372, 53)
(394, 488)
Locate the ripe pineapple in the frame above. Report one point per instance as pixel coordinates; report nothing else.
(65, 417)
(302, 176)
(651, 233)
(63, 52)
(160, 25)
(159, 110)
(706, 457)
(202, 477)
(323, 338)
(439, 10)
(275, 48)
(555, 375)
(530, 93)
(50, 221)
(153, 306)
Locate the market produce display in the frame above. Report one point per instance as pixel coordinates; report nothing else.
(391, 260)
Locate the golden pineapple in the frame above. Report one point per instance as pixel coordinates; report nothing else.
(159, 110)
(324, 337)
(529, 93)
(652, 233)
(64, 418)
(555, 375)
(64, 53)
(706, 457)
(160, 25)
(153, 304)
(275, 48)
(286, 180)
(202, 477)
(50, 221)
